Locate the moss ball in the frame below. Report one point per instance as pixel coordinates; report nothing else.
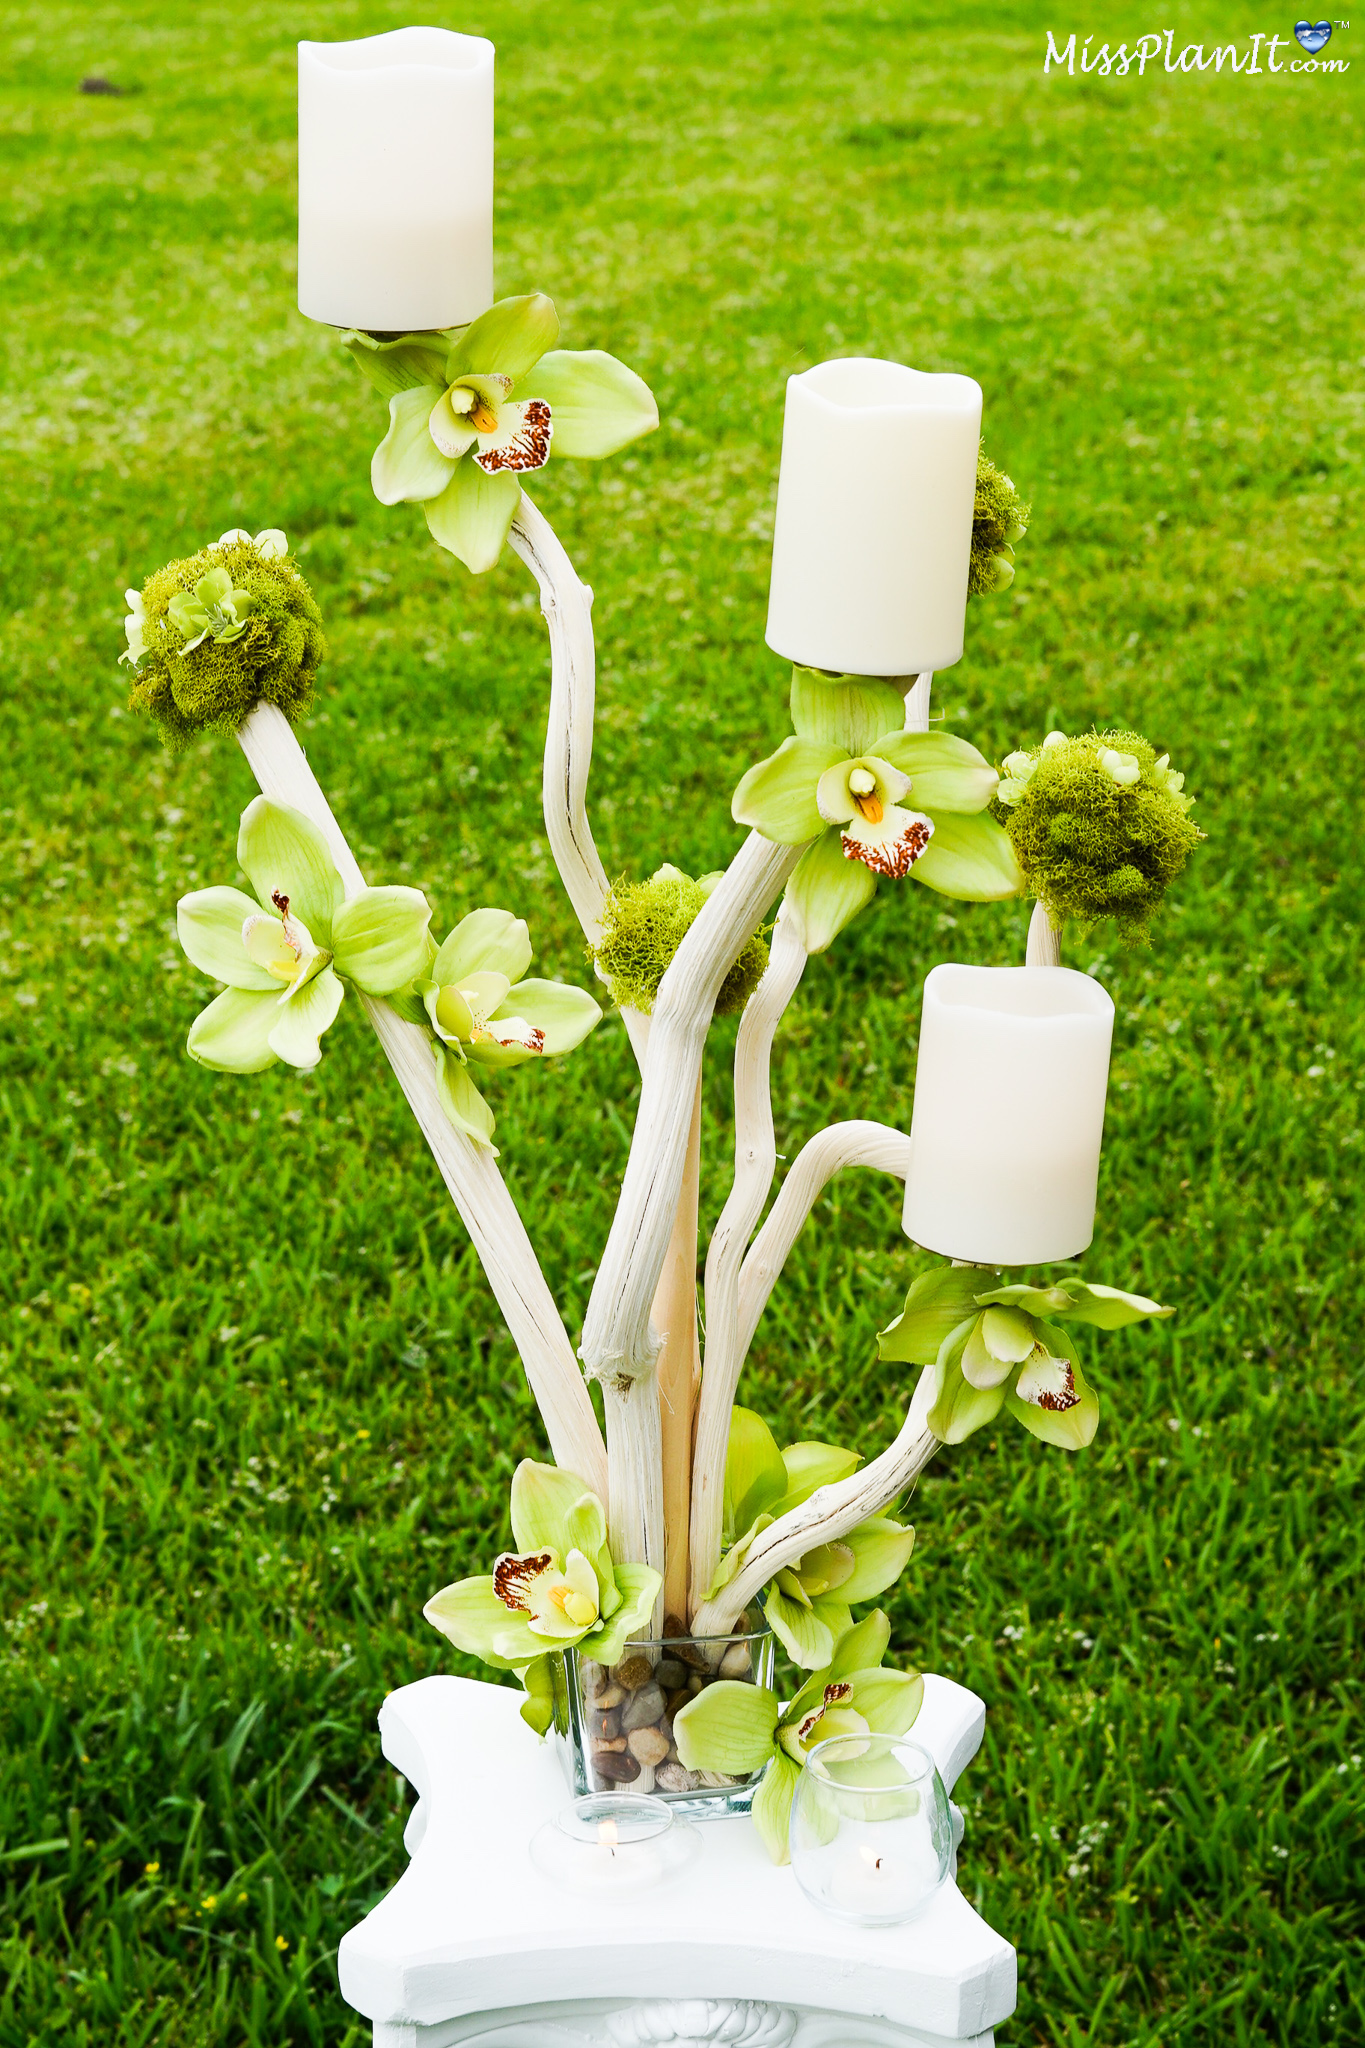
(212, 688)
(999, 518)
(1099, 826)
(643, 925)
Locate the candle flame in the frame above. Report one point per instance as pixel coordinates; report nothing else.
(608, 1835)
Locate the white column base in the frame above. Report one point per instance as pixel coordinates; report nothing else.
(473, 1948)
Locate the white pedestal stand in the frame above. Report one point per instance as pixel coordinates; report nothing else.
(472, 1946)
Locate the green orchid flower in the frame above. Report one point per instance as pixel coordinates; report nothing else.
(840, 786)
(559, 1590)
(213, 610)
(739, 1728)
(988, 1348)
(808, 1603)
(472, 410)
(285, 951)
(482, 1011)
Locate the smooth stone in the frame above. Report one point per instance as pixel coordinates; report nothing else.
(619, 1770)
(678, 1699)
(650, 1745)
(670, 1673)
(736, 1661)
(689, 1653)
(634, 1672)
(695, 1682)
(643, 1710)
(673, 1778)
(609, 1744)
(674, 1627)
(609, 1696)
(607, 1724)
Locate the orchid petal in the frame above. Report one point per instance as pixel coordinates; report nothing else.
(408, 467)
(639, 1586)
(809, 1466)
(772, 1804)
(472, 1616)
(881, 1551)
(598, 404)
(379, 938)
(936, 1305)
(511, 337)
(232, 1036)
(473, 514)
(461, 1100)
(450, 430)
(484, 939)
(283, 853)
(209, 923)
(826, 891)
(807, 1640)
(777, 796)
(1071, 1428)
(520, 441)
(946, 773)
(755, 1476)
(849, 710)
(302, 1019)
(402, 363)
(729, 1726)
(969, 859)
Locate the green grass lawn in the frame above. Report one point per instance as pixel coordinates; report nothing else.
(257, 1400)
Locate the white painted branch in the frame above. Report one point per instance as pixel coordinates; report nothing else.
(618, 1341)
(917, 702)
(635, 1512)
(830, 1512)
(1044, 944)
(852, 1144)
(468, 1170)
(755, 1164)
(566, 603)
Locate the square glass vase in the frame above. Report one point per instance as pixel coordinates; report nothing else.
(614, 1723)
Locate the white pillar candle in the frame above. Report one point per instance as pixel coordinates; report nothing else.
(1009, 1113)
(873, 535)
(396, 180)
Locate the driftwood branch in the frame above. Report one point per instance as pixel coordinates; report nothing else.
(618, 1341)
(468, 1170)
(755, 1163)
(829, 1513)
(1044, 941)
(827, 1153)
(566, 602)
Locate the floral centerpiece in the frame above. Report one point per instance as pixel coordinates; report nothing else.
(654, 1569)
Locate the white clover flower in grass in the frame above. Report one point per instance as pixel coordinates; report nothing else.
(473, 410)
(484, 1012)
(286, 952)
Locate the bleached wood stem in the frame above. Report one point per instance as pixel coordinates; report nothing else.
(917, 702)
(674, 1315)
(618, 1341)
(755, 1163)
(857, 1143)
(1044, 944)
(635, 1502)
(566, 602)
(468, 1170)
(830, 1512)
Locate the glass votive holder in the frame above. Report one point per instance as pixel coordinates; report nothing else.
(613, 1843)
(871, 1834)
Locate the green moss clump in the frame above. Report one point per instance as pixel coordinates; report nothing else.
(1099, 825)
(643, 925)
(1000, 517)
(212, 688)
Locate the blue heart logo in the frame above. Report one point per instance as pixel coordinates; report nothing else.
(1313, 36)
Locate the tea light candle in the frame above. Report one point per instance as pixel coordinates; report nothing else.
(1009, 1113)
(396, 180)
(613, 1843)
(872, 540)
(877, 1882)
